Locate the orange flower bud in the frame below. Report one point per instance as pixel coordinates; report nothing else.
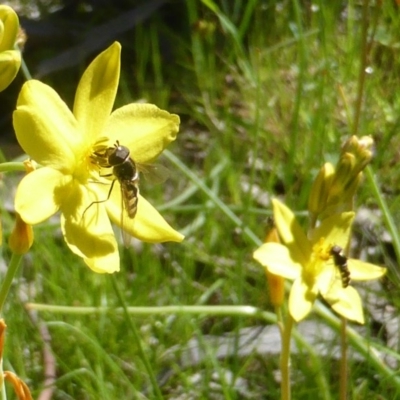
(21, 237)
(3, 327)
(20, 387)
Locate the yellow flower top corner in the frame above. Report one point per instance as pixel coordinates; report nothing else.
(10, 58)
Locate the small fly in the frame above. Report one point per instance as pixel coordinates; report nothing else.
(341, 262)
(126, 172)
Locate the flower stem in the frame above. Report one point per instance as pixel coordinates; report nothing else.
(139, 344)
(285, 359)
(12, 166)
(362, 346)
(3, 393)
(244, 311)
(343, 360)
(362, 73)
(11, 272)
(387, 216)
(24, 68)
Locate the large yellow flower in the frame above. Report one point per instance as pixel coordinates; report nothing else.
(63, 142)
(309, 262)
(10, 59)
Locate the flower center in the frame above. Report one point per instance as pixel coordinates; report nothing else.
(319, 256)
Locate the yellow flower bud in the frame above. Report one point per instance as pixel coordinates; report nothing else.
(10, 59)
(21, 237)
(362, 150)
(344, 175)
(320, 190)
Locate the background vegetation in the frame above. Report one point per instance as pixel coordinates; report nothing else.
(266, 91)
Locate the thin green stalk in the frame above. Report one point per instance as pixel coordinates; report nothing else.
(358, 342)
(244, 311)
(318, 368)
(212, 196)
(363, 64)
(3, 393)
(294, 123)
(285, 359)
(138, 341)
(387, 216)
(7, 281)
(364, 347)
(12, 166)
(25, 69)
(343, 360)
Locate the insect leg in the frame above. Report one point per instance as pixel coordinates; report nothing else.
(100, 201)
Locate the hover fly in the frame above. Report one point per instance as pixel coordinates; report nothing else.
(341, 262)
(126, 171)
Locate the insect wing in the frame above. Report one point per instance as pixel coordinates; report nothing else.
(154, 173)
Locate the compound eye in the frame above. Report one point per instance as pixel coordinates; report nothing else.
(118, 155)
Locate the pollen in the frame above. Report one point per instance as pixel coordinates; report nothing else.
(321, 250)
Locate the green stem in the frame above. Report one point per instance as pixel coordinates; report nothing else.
(245, 311)
(5, 288)
(363, 64)
(137, 340)
(213, 197)
(387, 216)
(25, 69)
(343, 360)
(11, 272)
(285, 359)
(365, 348)
(318, 368)
(3, 393)
(12, 166)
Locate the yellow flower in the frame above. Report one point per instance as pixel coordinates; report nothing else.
(309, 263)
(63, 142)
(10, 59)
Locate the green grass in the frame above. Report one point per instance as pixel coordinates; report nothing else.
(267, 92)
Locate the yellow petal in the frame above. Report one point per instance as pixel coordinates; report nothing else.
(107, 264)
(9, 20)
(347, 303)
(276, 258)
(87, 229)
(46, 128)
(148, 225)
(335, 229)
(10, 61)
(144, 129)
(35, 199)
(96, 92)
(291, 232)
(362, 271)
(301, 300)
(327, 276)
